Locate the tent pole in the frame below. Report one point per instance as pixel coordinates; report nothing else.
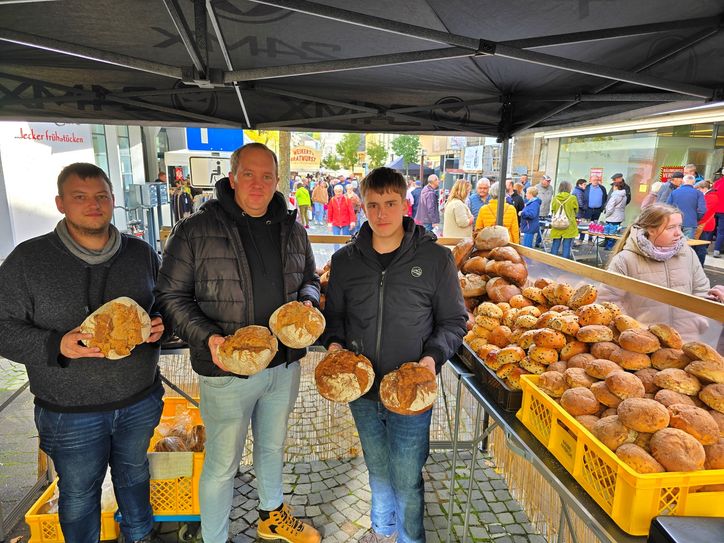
(501, 181)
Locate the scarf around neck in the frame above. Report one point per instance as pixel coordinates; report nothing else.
(89, 256)
(660, 254)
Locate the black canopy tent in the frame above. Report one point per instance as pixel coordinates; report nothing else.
(496, 67)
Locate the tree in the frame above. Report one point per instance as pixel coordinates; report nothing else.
(331, 162)
(347, 150)
(408, 147)
(376, 154)
(284, 165)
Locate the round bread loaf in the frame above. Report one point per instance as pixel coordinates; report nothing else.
(550, 339)
(491, 237)
(542, 355)
(647, 378)
(719, 418)
(297, 325)
(559, 366)
(638, 459)
(697, 350)
(695, 421)
(666, 358)
(630, 360)
(603, 395)
(599, 368)
(580, 401)
(625, 385)
(500, 290)
(612, 433)
(552, 383)
(587, 421)
(343, 376)
(515, 273)
(409, 390)
(248, 351)
(708, 370)
(580, 360)
(604, 349)
(593, 314)
(572, 348)
(577, 377)
(583, 295)
(643, 415)
(713, 396)
(714, 455)
(462, 251)
(667, 335)
(472, 285)
(639, 341)
(475, 265)
(677, 451)
(678, 381)
(594, 333)
(668, 397)
(118, 326)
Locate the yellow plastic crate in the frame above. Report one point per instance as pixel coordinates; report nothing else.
(631, 499)
(179, 496)
(45, 527)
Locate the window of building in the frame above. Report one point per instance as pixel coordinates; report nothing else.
(124, 153)
(100, 147)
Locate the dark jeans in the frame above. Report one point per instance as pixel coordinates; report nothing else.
(556, 245)
(395, 449)
(701, 250)
(82, 445)
(428, 226)
(719, 245)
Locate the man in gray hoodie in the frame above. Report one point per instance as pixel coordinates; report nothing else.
(90, 411)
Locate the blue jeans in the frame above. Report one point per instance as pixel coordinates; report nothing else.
(428, 226)
(528, 239)
(395, 449)
(556, 245)
(318, 212)
(227, 406)
(340, 231)
(82, 445)
(688, 231)
(702, 250)
(719, 244)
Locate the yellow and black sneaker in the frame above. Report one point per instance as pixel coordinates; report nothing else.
(281, 524)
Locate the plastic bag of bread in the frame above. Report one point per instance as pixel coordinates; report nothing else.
(248, 351)
(409, 390)
(343, 376)
(171, 444)
(297, 325)
(491, 237)
(196, 439)
(117, 327)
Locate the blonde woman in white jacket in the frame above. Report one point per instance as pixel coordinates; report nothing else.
(615, 209)
(653, 249)
(458, 220)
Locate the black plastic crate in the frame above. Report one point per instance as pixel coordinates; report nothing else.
(507, 398)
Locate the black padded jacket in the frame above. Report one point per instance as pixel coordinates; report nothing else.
(204, 284)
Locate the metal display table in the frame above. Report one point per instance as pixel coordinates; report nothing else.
(574, 500)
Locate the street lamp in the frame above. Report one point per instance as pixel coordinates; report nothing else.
(422, 164)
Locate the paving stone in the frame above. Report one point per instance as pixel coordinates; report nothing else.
(498, 507)
(506, 518)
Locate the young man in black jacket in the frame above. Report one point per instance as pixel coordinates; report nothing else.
(230, 265)
(90, 411)
(393, 296)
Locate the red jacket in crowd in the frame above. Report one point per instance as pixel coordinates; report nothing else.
(340, 211)
(714, 202)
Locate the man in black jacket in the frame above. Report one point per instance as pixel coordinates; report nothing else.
(393, 276)
(231, 265)
(90, 411)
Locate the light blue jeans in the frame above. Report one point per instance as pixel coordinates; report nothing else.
(395, 448)
(319, 212)
(227, 406)
(556, 246)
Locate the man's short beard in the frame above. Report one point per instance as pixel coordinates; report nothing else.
(92, 232)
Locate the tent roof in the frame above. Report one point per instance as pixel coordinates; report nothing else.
(421, 66)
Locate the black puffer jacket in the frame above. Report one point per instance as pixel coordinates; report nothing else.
(204, 284)
(414, 308)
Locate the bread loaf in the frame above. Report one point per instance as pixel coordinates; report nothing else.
(579, 401)
(677, 451)
(343, 376)
(409, 390)
(643, 415)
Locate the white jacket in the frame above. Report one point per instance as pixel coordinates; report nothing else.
(616, 206)
(456, 220)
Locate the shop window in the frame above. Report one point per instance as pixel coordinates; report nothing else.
(100, 147)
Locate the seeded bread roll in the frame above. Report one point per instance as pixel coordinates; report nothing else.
(669, 358)
(513, 379)
(525, 321)
(639, 341)
(565, 323)
(593, 314)
(594, 333)
(667, 335)
(707, 370)
(542, 355)
(643, 415)
(572, 348)
(558, 293)
(512, 354)
(612, 433)
(500, 336)
(713, 396)
(532, 367)
(583, 295)
(603, 349)
(647, 378)
(599, 368)
(605, 396)
(577, 377)
(638, 459)
(505, 370)
(535, 294)
(624, 322)
(550, 339)
(552, 383)
(519, 301)
(545, 319)
(580, 401)
(489, 309)
(625, 385)
(677, 451)
(678, 381)
(695, 421)
(630, 360)
(527, 338)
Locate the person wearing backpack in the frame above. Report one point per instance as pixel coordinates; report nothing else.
(563, 221)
